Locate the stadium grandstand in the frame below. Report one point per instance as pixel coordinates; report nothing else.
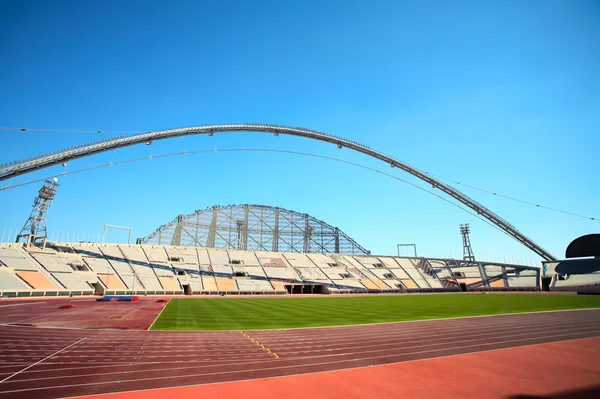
(67, 269)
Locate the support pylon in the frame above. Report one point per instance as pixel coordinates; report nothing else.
(34, 231)
(467, 250)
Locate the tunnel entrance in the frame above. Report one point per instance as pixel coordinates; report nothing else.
(305, 289)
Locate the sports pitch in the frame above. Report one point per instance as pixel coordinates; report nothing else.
(269, 313)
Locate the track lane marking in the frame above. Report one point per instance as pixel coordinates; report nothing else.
(21, 304)
(261, 345)
(322, 372)
(151, 363)
(567, 332)
(40, 361)
(315, 364)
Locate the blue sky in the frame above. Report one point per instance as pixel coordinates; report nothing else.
(502, 95)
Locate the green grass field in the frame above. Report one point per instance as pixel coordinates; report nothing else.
(265, 313)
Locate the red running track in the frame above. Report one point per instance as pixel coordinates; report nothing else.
(48, 363)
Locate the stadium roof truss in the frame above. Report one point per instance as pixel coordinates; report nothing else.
(254, 227)
(57, 157)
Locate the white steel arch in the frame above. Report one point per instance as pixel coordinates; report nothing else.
(45, 160)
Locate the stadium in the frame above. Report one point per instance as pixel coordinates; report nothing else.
(320, 301)
(290, 199)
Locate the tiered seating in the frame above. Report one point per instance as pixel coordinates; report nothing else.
(96, 262)
(54, 263)
(524, 281)
(112, 282)
(320, 260)
(203, 258)
(362, 272)
(388, 262)
(143, 270)
(413, 272)
(156, 255)
(26, 269)
(67, 269)
(225, 284)
(122, 267)
(14, 259)
(156, 270)
(579, 280)
(8, 281)
(222, 271)
(298, 260)
(311, 273)
(218, 257)
(169, 283)
(440, 269)
(253, 285)
(182, 255)
(243, 258)
(75, 281)
(209, 283)
(36, 280)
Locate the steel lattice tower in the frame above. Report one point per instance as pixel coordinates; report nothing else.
(34, 231)
(467, 250)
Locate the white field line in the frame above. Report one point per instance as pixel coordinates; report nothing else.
(40, 361)
(163, 309)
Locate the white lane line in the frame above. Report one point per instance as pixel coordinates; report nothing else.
(21, 304)
(324, 372)
(214, 366)
(159, 313)
(38, 362)
(472, 347)
(133, 311)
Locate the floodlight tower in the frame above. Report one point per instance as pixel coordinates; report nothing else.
(467, 250)
(34, 231)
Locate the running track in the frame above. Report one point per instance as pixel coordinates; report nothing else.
(48, 362)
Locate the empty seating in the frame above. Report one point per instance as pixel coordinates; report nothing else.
(182, 254)
(243, 258)
(168, 282)
(209, 283)
(158, 255)
(369, 284)
(112, 282)
(298, 260)
(14, 259)
(156, 269)
(321, 260)
(9, 281)
(225, 284)
(36, 280)
(54, 263)
(218, 257)
(75, 282)
(281, 273)
(390, 263)
(254, 285)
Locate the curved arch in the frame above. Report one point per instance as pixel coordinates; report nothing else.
(263, 227)
(57, 157)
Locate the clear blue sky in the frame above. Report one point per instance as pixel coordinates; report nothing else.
(503, 95)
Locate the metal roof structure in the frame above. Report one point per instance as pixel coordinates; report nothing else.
(45, 160)
(254, 227)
